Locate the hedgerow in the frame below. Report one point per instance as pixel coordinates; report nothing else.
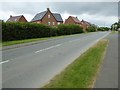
(19, 31)
(91, 28)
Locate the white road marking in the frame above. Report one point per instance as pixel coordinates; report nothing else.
(48, 48)
(69, 42)
(4, 61)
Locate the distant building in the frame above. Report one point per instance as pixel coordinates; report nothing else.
(48, 18)
(20, 18)
(73, 20)
(85, 24)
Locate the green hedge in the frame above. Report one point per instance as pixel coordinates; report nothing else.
(92, 28)
(19, 31)
(69, 29)
(103, 29)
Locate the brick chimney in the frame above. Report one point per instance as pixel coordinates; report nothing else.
(10, 16)
(48, 9)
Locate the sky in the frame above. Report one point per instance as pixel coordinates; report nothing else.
(99, 13)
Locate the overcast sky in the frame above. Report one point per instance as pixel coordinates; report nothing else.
(99, 13)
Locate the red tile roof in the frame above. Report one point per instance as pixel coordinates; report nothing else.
(14, 18)
(76, 19)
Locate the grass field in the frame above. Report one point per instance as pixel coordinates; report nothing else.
(83, 71)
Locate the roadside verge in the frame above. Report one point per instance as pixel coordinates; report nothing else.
(27, 42)
(82, 72)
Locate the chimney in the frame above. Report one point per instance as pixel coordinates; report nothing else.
(48, 9)
(10, 16)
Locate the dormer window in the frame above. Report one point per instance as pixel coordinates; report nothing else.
(48, 16)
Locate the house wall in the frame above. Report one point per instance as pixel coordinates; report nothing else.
(39, 22)
(84, 26)
(46, 20)
(22, 19)
(69, 21)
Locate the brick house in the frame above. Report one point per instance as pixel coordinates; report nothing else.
(48, 18)
(73, 20)
(85, 24)
(20, 18)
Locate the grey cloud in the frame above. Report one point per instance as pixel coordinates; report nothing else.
(23, 7)
(103, 8)
(76, 8)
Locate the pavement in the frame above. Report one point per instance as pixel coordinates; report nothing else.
(34, 65)
(108, 75)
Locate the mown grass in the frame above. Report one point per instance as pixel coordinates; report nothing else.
(8, 43)
(113, 32)
(83, 71)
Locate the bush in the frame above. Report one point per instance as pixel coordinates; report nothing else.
(19, 31)
(103, 29)
(91, 28)
(69, 29)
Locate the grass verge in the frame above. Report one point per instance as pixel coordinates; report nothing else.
(8, 43)
(83, 71)
(113, 32)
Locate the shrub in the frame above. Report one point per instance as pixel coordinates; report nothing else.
(19, 31)
(91, 28)
(103, 29)
(69, 29)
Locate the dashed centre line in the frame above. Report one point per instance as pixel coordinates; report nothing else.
(48, 48)
(4, 61)
(59, 45)
(54, 46)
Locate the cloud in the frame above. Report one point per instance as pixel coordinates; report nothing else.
(95, 12)
(5, 15)
(101, 8)
(99, 20)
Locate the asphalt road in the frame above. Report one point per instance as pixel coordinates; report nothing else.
(33, 66)
(108, 75)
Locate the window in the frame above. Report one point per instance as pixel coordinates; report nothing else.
(48, 16)
(15, 19)
(38, 22)
(48, 23)
(53, 23)
(58, 23)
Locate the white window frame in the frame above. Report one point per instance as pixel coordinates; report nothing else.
(38, 22)
(15, 19)
(53, 23)
(48, 23)
(48, 16)
(58, 23)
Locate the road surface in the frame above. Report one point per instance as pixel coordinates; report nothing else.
(33, 66)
